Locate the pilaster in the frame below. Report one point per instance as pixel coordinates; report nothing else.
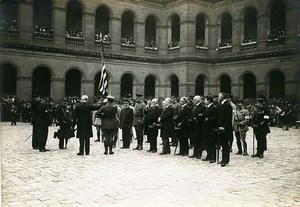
(25, 20)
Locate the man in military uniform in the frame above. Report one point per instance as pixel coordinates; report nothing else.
(126, 120)
(241, 119)
(109, 123)
(260, 126)
(138, 113)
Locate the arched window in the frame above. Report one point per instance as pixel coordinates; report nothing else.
(149, 87)
(150, 33)
(73, 83)
(249, 85)
(8, 79)
(174, 40)
(41, 82)
(74, 33)
(127, 30)
(9, 17)
(277, 22)
(276, 79)
(102, 24)
(42, 20)
(250, 25)
(174, 86)
(126, 85)
(199, 88)
(226, 31)
(200, 31)
(225, 83)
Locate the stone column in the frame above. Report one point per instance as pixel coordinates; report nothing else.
(212, 42)
(59, 25)
(236, 36)
(114, 88)
(291, 22)
(138, 88)
(186, 89)
(57, 88)
(213, 89)
(115, 34)
(187, 37)
(140, 38)
(25, 20)
(235, 89)
(162, 40)
(89, 29)
(87, 88)
(291, 86)
(24, 87)
(262, 28)
(263, 88)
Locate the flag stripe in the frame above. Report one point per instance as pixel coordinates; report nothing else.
(103, 86)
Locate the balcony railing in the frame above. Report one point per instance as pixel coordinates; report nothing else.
(74, 37)
(9, 29)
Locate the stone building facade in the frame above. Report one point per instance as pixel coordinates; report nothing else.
(152, 47)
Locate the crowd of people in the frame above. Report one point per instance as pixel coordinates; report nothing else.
(104, 38)
(174, 43)
(43, 32)
(278, 35)
(198, 123)
(225, 42)
(127, 42)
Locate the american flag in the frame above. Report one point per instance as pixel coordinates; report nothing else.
(103, 86)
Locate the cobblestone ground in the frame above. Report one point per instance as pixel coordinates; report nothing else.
(138, 178)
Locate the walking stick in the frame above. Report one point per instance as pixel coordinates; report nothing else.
(253, 142)
(218, 147)
(28, 137)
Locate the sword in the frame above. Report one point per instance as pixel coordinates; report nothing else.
(28, 137)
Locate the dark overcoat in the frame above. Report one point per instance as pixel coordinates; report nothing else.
(83, 119)
(166, 119)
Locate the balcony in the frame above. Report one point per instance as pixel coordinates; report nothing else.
(9, 29)
(74, 38)
(276, 37)
(42, 33)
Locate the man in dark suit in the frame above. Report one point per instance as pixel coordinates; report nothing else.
(126, 120)
(152, 119)
(182, 123)
(210, 124)
(167, 130)
(197, 126)
(83, 119)
(225, 127)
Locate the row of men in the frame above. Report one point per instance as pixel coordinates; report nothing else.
(203, 123)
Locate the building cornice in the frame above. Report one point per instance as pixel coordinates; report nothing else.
(80, 53)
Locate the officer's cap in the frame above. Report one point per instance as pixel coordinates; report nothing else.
(110, 98)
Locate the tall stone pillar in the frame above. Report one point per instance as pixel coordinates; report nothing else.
(59, 25)
(187, 37)
(262, 28)
(186, 89)
(114, 88)
(57, 88)
(140, 38)
(291, 17)
(138, 88)
(162, 40)
(25, 20)
(89, 29)
(115, 34)
(87, 88)
(262, 88)
(235, 89)
(236, 37)
(24, 87)
(291, 86)
(212, 42)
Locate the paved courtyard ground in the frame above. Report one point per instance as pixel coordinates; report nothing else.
(138, 178)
